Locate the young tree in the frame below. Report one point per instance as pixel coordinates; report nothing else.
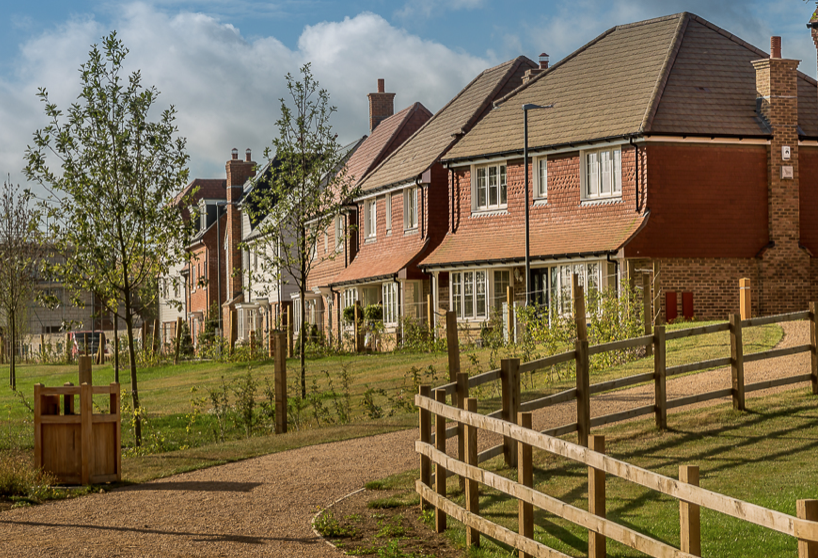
(119, 171)
(21, 251)
(306, 191)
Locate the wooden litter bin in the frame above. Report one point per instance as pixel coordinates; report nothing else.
(82, 448)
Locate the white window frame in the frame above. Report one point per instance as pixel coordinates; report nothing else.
(410, 208)
(370, 218)
(498, 298)
(464, 293)
(601, 173)
(482, 182)
(388, 213)
(540, 181)
(389, 296)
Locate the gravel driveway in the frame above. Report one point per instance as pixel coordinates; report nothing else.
(263, 506)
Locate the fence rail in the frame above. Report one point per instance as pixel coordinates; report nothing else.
(516, 438)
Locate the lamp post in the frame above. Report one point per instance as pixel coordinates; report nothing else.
(527, 107)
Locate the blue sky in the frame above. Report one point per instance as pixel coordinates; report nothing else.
(222, 64)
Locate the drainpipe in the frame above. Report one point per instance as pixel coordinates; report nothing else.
(616, 263)
(636, 153)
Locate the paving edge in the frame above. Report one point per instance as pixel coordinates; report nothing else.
(322, 510)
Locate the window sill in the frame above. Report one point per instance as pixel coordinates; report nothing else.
(370, 240)
(488, 212)
(540, 202)
(407, 232)
(601, 201)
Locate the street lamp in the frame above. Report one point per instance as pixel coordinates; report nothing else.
(527, 107)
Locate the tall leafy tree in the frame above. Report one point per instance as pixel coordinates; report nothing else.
(305, 192)
(118, 173)
(21, 251)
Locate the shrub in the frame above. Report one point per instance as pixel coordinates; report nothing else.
(19, 478)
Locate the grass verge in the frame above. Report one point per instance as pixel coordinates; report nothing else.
(765, 456)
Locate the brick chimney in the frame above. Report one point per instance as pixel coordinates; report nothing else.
(785, 269)
(381, 106)
(238, 172)
(529, 74)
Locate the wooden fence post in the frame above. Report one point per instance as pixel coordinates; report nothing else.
(510, 312)
(660, 376)
(430, 322)
(813, 341)
(510, 384)
(461, 395)
(579, 308)
(737, 364)
(86, 432)
(745, 299)
(85, 344)
(42, 348)
(440, 471)
(68, 348)
(281, 383)
(807, 509)
(452, 346)
(359, 339)
(252, 343)
(38, 426)
(583, 393)
(425, 427)
(647, 308)
(85, 370)
(525, 476)
(596, 499)
(689, 514)
(178, 334)
(472, 487)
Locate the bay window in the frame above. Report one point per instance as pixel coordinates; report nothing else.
(469, 294)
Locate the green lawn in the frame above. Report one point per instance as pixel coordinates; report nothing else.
(181, 418)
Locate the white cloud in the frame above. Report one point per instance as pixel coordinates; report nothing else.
(225, 88)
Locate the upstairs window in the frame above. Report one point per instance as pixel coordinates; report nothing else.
(540, 178)
(370, 218)
(602, 174)
(340, 233)
(489, 187)
(410, 208)
(388, 213)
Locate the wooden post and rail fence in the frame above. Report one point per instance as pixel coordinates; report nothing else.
(512, 422)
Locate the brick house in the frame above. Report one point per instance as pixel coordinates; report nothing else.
(672, 146)
(388, 131)
(403, 208)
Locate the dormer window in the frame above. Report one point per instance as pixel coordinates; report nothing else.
(602, 173)
(489, 190)
(410, 208)
(370, 218)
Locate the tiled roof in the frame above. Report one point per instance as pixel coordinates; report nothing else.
(676, 74)
(383, 140)
(208, 188)
(435, 138)
(570, 237)
(370, 265)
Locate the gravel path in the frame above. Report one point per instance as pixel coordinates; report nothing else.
(264, 506)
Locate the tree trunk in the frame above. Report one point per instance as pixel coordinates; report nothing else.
(116, 347)
(302, 339)
(13, 356)
(137, 430)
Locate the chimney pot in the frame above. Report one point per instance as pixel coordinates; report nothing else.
(235, 153)
(543, 61)
(247, 155)
(381, 86)
(775, 47)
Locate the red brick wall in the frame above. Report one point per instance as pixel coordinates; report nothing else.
(808, 158)
(706, 201)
